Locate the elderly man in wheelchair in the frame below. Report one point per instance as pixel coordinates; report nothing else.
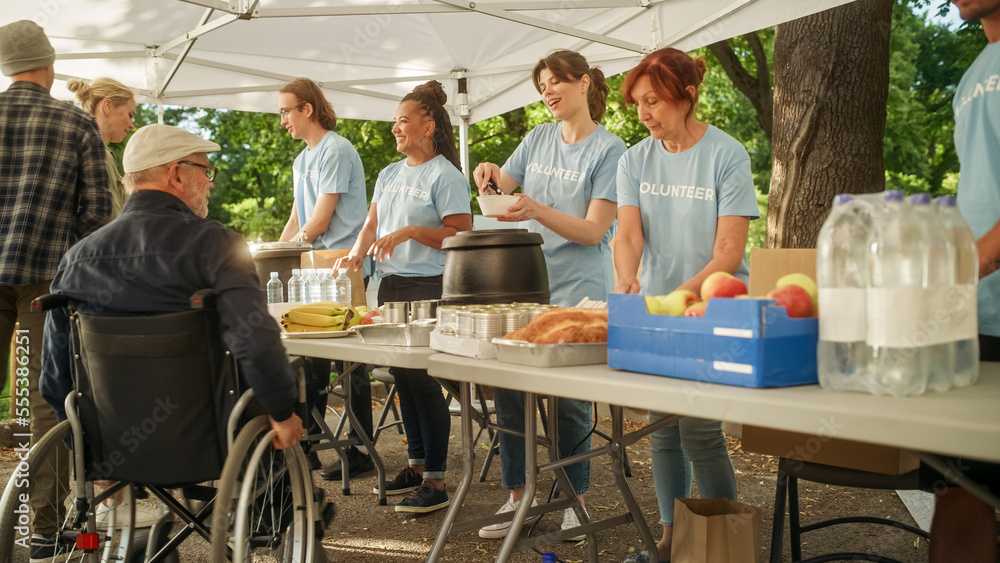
(167, 375)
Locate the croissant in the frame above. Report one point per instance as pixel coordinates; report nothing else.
(563, 325)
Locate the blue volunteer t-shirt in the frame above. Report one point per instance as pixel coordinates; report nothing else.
(332, 167)
(977, 141)
(680, 197)
(566, 177)
(418, 196)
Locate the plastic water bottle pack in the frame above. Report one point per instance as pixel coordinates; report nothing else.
(897, 296)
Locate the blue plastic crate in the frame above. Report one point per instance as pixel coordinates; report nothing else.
(745, 342)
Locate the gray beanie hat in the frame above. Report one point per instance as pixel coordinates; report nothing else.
(24, 47)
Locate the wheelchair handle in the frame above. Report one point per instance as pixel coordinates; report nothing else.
(49, 302)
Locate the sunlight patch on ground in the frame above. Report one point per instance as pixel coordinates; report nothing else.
(386, 548)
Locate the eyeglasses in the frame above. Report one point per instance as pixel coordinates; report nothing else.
(285, 111)
(210, 171)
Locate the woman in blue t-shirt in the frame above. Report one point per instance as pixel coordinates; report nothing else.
(567, 174)
(685, 201)
(418, 202)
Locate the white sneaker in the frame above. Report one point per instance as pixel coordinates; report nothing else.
(146, 514)
(500, 529)
(571, 521)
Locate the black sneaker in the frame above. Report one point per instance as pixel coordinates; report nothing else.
(424, 499)
(406, 481)
(357, 463)
(46, 548)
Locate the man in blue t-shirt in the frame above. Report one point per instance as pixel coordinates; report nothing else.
(964, 528)
(329, 209)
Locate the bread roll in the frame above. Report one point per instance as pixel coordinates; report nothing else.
(563, 325)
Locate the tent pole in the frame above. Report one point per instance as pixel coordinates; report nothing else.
(462, 105)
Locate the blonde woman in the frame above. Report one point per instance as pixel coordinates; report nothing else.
(113, 105)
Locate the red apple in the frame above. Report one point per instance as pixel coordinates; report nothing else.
(803, 281)
(794, 299)
(696, 310)
(369, 317)
(722, 284)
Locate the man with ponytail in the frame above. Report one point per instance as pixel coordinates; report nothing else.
(329, 208)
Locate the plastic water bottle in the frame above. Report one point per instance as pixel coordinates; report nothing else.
(275, 291)
(843, 355)
(296, 287)
(328, 290)
(313, 293)
(895, 300)
(963, 300)
(939, 281)
(343, 287)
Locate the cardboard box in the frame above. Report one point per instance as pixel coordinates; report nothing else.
(745, 342)
(766, 266)
(822, 448)
(769, 264)
(326, 259)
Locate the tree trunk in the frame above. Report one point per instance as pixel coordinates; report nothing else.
(831, 83)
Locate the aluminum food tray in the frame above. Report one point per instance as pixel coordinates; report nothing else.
(550, 355)
(391, 334)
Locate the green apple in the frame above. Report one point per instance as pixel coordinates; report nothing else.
(652, 305)
(676, 302)
(803, 281)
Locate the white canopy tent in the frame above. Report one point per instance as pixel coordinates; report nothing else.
(367, 54)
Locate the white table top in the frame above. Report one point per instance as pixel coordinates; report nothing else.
(961, 422)
(351, 349)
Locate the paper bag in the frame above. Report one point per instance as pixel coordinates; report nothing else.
(715, 530)
(326, 259)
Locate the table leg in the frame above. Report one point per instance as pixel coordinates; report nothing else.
(563, 479)
(468, 463)
(620, 474)
(530, 478)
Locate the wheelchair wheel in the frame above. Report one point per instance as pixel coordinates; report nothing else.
(50, 455)
(263, 509)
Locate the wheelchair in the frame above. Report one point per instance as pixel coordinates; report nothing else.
(156, 413)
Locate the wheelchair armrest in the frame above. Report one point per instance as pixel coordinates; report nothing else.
(49, 302)
(204, 299)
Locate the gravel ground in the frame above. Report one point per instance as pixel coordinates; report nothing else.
(364, 531)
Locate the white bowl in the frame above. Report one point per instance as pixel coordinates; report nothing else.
(496, 205)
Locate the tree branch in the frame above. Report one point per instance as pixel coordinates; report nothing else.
(756, 88)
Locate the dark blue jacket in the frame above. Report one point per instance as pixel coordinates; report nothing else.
(150, 260)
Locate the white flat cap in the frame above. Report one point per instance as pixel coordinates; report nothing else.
(153, 145)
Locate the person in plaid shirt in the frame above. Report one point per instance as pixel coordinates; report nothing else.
(53, 192)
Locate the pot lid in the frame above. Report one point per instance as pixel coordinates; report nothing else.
(288, 245)
(490, 238)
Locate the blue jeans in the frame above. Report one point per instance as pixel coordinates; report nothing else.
(422, 406)
(575, 422)
(677, 448)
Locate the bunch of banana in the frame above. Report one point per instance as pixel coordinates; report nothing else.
(320, 317)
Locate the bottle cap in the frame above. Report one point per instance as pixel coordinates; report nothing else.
(296, 272)
(946, 201)
(274, 274)
(549, 557)
(342, 271)
(841, 199)
(920, 199)
(894, 195)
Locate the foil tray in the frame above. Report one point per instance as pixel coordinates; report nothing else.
(393, 334)
(550, 355)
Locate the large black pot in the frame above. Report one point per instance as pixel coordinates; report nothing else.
(496, 266)
(281, 257)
